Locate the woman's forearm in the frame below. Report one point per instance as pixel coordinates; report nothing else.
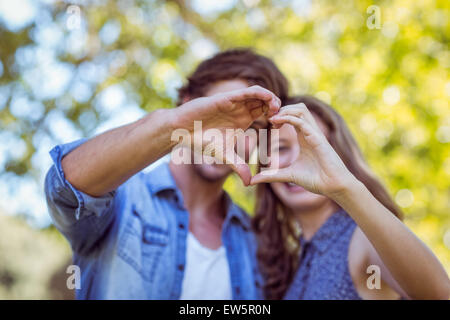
(412, 264)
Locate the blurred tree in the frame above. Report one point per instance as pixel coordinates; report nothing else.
(32, 263)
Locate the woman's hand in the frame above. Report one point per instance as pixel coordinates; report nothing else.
(318, 168)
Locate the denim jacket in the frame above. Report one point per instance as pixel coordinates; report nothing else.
(131, 242)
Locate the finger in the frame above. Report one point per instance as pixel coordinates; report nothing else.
(274, 106)
(298, 110)
(275, 125)
(237, 163)
(254, 103)
(271, 175)
(253, 92)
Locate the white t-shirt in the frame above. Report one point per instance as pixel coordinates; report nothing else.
(206, 275)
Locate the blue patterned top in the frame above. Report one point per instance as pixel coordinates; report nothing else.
(323, 272)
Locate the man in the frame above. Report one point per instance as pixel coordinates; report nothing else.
(172, 233)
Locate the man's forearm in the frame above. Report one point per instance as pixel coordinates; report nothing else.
(413, 266)
(106, 161)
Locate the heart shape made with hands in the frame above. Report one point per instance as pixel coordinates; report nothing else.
(228, 146)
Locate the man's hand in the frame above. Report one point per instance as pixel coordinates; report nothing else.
(230, 110)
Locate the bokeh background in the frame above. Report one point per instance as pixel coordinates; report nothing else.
(71, 69)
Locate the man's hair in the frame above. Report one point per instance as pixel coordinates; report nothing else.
(240, 63)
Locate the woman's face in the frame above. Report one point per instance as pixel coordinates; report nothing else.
(291, 195)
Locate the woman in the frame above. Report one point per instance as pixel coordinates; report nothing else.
(326, 227)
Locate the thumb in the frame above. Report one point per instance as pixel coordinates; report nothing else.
(271, 175)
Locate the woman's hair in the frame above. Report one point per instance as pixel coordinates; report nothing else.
(278, 236)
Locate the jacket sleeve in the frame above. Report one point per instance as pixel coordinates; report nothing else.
(81, 218)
